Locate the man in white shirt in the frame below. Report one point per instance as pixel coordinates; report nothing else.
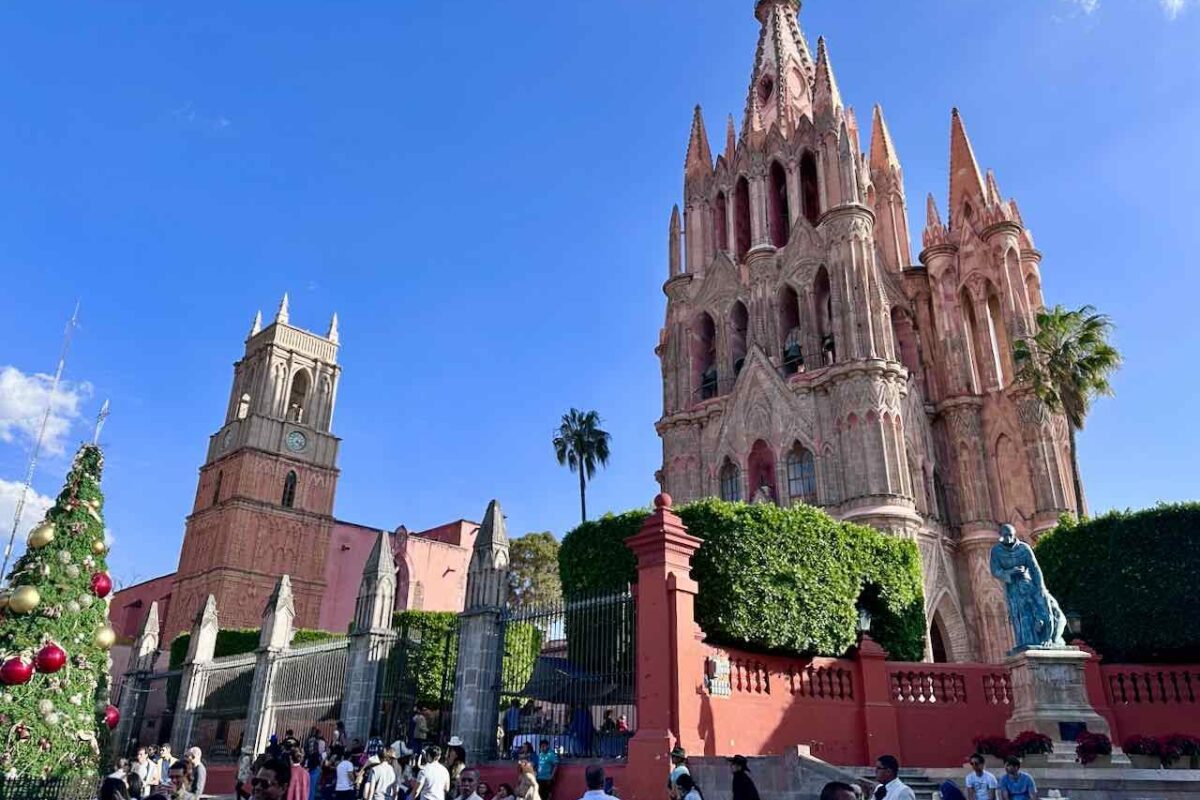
(981, 785)
(594, 778)
(887, 770)
(433, 781)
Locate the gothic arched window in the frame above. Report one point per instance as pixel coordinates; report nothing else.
(810, 189)
(741, 218)
(298, 397)
(704, 357)
(217, 488)
(721, 221)
(739, 326)
(823, 299)
(731, 482)
(802, 475)
(780, 210)
(289, 490)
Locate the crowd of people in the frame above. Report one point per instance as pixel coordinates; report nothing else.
(156, 774)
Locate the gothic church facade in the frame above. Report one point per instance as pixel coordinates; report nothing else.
(807, 358)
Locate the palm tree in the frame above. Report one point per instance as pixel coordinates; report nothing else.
(580, 444)
(1067, 363)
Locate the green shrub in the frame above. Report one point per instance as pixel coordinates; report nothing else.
(237, 641)
(774, 579)
(1131, 577)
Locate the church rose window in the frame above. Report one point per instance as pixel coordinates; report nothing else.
(289, 490)
(802, 476)
(731, 482)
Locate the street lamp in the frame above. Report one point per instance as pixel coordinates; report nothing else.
(1074, 623)
(864, 620)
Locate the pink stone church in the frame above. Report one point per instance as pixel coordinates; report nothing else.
(264, 506)
(807, 357)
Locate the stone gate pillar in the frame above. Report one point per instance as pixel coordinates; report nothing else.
(274, 638)
(202, 645)
(371, 639)
(670, 659)
(480, 649)
(133, 693)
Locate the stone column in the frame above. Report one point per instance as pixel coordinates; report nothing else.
(879, 715)
(133, 695)
(670, 659)
(201, 647)
(371, 639)
(480, 646)
(274, 638)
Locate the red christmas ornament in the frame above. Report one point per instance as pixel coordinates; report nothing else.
(50, 658)
(111, 717)
(101, 584)
(15, 672)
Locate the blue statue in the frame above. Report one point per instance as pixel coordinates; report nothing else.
(1037, 620)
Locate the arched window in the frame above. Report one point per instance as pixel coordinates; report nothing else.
(780, 211)
(937, 641)
(906, 340)
(739, 324)
(761, 466)
(731, 482)
(721, 221)
(810, 189)
(802, 476)
(289, 490)
(789, 328)
(741, 220)
(704, 356)
(971, 334)
(217, 488)
(298, 397)
(824, 302)
(243, 407)
(997, 337)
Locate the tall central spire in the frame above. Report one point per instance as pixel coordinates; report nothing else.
(781, 83)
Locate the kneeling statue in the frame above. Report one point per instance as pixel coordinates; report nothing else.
(1037, 620)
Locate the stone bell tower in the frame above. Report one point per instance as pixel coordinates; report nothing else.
(264, 502)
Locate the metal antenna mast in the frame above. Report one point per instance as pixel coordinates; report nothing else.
(37, 445)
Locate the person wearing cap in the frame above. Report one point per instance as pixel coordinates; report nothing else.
(743, 785)
(678, 767)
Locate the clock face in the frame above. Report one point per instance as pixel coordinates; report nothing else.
(228, 439)
(296, 441)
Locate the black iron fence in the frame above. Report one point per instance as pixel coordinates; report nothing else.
(417, 679)
(568, 678)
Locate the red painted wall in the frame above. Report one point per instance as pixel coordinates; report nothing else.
(1153, 700)
(941, 708)
(131, 605)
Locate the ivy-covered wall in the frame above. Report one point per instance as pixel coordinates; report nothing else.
(774, 579)
(1132, 578)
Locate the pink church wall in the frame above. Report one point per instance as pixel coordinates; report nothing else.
(131, 605)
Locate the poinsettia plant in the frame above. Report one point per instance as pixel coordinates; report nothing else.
(998, 746)
(1184, 744)
(1141, 746)
(1090, 746)
(1032, 743)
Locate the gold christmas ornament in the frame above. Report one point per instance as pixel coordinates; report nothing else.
(24, 599)
(42, 535)
(99, 547)
(106, 637)
(4, 595)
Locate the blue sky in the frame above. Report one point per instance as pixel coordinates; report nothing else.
(482, 192)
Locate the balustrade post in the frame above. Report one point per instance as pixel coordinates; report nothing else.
(881, 727)
(670, 660)
(371, 639)
(274, 639)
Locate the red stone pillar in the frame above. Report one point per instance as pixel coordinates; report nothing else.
(880, 725)
(670, 660)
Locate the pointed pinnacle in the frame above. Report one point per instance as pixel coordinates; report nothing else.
(965, 181)
(699, 157)
(282, 314)
(932, 218)
(493, 530)
(332, 335)
(883, 152)
(675, 223)
(256, 326)
(730, 140)
(826, 96)
(993, 189)
(380, 560)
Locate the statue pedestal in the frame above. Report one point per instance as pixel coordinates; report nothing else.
(1050, 697)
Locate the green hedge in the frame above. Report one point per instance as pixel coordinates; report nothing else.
(236, 641)
(782, 580)
(1131, 576)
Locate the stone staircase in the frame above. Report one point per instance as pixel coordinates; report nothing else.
(922, 785)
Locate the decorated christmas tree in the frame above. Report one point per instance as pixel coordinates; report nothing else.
(55, 637)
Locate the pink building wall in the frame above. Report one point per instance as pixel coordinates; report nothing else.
(131, 605)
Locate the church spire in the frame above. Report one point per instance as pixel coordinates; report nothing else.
(966, 184)
(883, 152)
(826, 96)
(256, 326)
(891, 205)
(333, 329)
(781, 82)
(282, 314)
(699, 156)
(730, 140)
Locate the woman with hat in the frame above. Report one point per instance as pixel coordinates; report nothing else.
(743, 786)
(678, 767)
